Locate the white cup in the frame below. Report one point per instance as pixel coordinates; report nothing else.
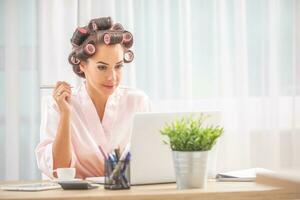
(66, 173)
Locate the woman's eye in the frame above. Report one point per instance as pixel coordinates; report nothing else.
(119, 66)
(102, 67)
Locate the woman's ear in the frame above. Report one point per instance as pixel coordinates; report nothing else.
(82, 66)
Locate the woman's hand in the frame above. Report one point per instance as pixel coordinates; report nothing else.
(62, 94)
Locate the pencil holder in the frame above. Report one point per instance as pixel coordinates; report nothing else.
(117, 174)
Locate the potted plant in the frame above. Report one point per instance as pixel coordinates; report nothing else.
(191, 140)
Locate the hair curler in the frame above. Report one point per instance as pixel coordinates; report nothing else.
(89, 49)
(127, 39)
(79, 36)
(73, 60)
(117, 27)
(112, 37)
(85, 52)
(102, 23)
(128, 56)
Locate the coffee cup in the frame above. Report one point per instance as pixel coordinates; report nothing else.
(65, 173)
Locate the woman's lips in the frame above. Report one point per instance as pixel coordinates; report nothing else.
(108, 86)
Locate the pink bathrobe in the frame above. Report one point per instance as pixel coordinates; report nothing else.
(88, 132)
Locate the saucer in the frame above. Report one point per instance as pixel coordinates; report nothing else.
(66, 180)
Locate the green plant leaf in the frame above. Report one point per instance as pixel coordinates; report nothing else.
(189, 134)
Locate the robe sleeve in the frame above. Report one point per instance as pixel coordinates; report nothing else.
(49, 124)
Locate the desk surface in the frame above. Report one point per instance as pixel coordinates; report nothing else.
(214, 190)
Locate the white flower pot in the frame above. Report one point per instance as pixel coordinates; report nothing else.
(190, 169)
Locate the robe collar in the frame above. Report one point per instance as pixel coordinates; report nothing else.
(100, 130)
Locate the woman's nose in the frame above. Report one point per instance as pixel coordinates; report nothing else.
(111, 76)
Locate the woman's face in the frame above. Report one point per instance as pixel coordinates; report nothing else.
(103, 71)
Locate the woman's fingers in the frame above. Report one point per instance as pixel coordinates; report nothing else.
(61, 94)
(61, 88)
(64, 95)
(59, 83)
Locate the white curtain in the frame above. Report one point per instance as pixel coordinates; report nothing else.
(236, 56)
(19, 80)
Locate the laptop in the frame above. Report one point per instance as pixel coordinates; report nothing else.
(151, 159)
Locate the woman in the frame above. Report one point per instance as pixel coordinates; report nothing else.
(78, 128)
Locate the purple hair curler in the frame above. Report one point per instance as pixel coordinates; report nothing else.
(102, 23)
(128, 56)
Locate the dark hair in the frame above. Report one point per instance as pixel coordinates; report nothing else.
(98, 31)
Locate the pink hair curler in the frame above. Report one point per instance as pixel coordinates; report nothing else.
(89, 49)
(127, 39)
(128, 56)
(102, 23)
(79, 36)
(94, 26)
(82, 30)
(117, 27)
(127, 36)
(112, 37)
(73, 60)
(106, 38)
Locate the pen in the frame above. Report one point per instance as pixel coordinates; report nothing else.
(118, 167)
(117, 152)
(49, 86)
(125, 152)
(111, 158)
(102, 152)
